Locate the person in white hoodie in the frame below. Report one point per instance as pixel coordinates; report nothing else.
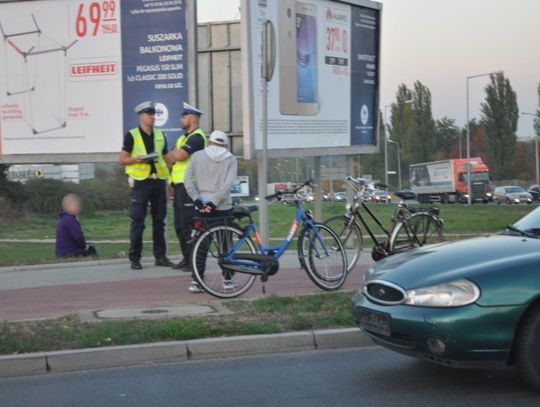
(209, 177)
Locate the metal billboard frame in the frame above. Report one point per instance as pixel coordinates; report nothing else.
(97, 157)
(248, 96)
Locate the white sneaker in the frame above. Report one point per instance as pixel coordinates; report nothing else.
(230, 285)
(195, 288)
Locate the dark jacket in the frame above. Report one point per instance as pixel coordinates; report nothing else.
(69, 236)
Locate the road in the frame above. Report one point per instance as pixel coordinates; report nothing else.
(365, 377)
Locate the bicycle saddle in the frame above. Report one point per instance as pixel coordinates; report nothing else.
(243, 211)
(405, 195)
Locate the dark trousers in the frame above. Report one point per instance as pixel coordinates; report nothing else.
(184, 212)
(223, 245)
(153, 191)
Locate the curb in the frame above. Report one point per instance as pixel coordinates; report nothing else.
(174, 352)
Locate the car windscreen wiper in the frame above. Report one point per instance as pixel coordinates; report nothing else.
(521, 232)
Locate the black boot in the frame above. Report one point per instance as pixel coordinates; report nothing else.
(163, 262)
(184, 265)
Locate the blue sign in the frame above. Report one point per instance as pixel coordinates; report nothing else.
(364, 75)
(154, 61)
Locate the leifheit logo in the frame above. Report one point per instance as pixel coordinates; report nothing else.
(336, 16)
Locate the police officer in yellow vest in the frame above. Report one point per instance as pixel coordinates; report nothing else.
(143, 154)
(184, 211)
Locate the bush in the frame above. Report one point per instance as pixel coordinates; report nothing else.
(9, 211)
(45, 195)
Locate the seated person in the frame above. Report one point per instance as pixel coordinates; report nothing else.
(70, 239)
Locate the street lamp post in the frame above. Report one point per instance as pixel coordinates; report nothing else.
(386, 144)
(386, 140)
(469, 191)
(398, 162)
(537, 167)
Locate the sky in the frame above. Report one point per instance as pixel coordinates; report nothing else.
(441, 42)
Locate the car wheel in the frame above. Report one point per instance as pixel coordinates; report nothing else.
(527, 357)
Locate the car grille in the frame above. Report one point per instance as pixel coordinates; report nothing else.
(384, 293)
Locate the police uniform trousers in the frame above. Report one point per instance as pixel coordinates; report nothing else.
(184, 212)
(153, 191)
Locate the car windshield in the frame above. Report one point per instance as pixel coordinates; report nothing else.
(530, 223)
(514, 190)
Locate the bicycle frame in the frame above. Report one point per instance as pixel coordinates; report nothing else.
(301, 217)
(398, 216)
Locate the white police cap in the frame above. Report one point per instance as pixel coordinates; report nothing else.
(146, 107)
(188, 109)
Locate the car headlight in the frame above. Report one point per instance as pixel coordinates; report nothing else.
(489, 194)
(455, 294)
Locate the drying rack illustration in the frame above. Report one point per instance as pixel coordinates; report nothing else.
(29, 58)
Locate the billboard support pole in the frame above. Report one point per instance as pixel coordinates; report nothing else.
(318, 189)
(262, 164)
(349, 168)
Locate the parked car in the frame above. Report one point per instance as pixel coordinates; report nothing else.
(511, 194)
(472, 303)
(534, 190)
(340, 197)
(381, 196)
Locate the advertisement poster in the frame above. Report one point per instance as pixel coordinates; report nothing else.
(324, 90)
(71, 72)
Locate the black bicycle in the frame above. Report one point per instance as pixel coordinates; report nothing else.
(411, 227)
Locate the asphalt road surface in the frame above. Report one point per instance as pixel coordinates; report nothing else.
(365, 377)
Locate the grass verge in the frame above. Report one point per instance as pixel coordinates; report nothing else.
(115, 225)
(263, 316)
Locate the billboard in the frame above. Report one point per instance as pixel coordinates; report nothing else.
(324, 92)
(71, 73)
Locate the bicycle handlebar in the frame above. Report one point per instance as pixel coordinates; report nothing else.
(280, 193)
(364, 182)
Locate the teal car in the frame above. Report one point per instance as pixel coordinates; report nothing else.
(469, 304)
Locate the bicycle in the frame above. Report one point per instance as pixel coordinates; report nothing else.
(226, 261)
(412, 227)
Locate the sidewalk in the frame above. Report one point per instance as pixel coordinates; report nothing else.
(55, 290)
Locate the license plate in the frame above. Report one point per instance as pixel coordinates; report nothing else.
(377, 322)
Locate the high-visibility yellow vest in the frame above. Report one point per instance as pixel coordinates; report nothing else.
(141, 171)
(178, 169)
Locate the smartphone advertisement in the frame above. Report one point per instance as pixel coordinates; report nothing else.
(324, 90)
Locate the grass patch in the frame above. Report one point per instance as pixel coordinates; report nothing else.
(251, 317)
(115, 226)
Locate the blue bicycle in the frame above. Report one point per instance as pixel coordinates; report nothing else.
(226, 261)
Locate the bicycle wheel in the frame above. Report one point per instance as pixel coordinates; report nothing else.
(209, 250)
(350, 235)
(426, 227)
(326, 263)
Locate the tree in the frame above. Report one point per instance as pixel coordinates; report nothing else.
(447, 137)
(500, 114)
(374, 163)
(401, 128)
(424, 132)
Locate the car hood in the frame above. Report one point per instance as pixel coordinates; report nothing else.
(517, 194)
(472, 259)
